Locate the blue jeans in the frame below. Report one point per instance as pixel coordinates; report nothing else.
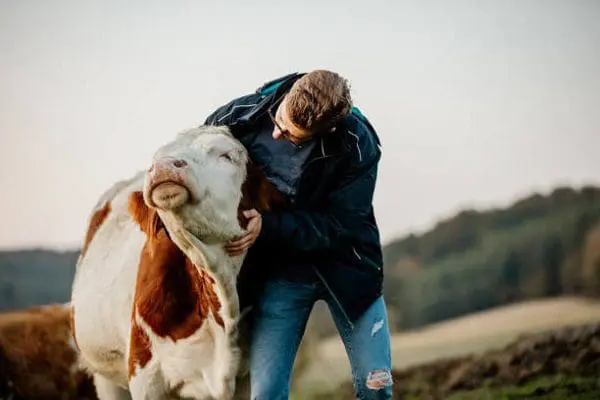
(279, 325)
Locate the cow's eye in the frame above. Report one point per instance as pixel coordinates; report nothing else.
(227, 157)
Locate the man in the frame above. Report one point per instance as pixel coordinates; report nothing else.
(322, 154)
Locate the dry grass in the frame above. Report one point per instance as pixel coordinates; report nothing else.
(475, 333)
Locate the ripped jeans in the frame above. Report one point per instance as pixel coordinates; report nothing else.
(279, 325)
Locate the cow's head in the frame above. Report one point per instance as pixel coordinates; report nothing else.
(197, 180)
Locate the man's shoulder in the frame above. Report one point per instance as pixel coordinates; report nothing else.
(244, 108)
(229, 112)
(363, 137)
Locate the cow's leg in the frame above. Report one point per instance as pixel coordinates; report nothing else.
(108, 390)
(147, 384)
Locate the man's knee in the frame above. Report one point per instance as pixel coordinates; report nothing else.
(377, 386)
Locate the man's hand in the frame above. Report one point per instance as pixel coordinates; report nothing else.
(243, 243)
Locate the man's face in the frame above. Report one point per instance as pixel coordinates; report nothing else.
(284, 128)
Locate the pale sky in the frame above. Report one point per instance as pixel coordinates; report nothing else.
(477, 103)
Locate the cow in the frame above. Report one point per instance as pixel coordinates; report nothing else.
(155, 308)
(38, 358)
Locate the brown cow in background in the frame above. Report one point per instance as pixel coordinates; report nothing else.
(38, 357)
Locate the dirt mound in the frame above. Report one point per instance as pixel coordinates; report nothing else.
(571, 351)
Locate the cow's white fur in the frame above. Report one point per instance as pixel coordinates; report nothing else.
(204, 365)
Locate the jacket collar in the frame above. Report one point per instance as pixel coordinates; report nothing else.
(269, 93)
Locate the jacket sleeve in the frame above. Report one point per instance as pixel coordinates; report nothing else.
(347, 208)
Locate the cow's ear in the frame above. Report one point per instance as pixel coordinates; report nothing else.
(146, 218)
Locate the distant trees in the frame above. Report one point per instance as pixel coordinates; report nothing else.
(7, 294)
(512, 268)
(35, 277)
(477, 260)
(552, 259)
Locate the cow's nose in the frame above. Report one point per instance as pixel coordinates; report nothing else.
(166, 183)
(167, 163)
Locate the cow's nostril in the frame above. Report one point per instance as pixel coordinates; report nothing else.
(179, 163)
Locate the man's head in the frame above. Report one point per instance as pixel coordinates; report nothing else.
(315, 103)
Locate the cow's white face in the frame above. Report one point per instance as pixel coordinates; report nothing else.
(197, 180)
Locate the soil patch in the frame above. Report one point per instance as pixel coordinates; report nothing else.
(567, 355)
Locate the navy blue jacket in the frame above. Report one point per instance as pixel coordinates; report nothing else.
(331, 226)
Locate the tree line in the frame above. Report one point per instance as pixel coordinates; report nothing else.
(539, 246)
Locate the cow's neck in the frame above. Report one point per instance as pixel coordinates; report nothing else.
(173, 296)
(214, 261)
(180, 282)
(175, 292)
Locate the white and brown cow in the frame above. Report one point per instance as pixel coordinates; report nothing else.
(156, 310)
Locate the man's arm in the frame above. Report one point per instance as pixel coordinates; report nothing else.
(347, 209)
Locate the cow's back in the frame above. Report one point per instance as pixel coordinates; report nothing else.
(104, 283)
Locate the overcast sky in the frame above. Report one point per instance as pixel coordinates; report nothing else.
(477, 103)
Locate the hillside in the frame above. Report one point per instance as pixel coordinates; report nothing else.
(35, 277)
(540, 246)
(559, 364)
(466, 336)
(464, 230)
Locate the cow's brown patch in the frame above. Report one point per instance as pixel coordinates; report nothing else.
(172, 296)
(95, 222)
(258, 193)
(139, 350)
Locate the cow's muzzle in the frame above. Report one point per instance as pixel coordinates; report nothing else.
(166, 183)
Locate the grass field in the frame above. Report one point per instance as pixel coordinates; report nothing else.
(471, 334)
(556, 387)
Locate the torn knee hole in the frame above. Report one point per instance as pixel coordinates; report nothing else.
(379, 379)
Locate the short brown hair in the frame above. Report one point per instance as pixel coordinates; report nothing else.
(319, 100)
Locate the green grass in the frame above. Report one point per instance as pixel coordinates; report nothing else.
(550, 388)
(557, 387)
